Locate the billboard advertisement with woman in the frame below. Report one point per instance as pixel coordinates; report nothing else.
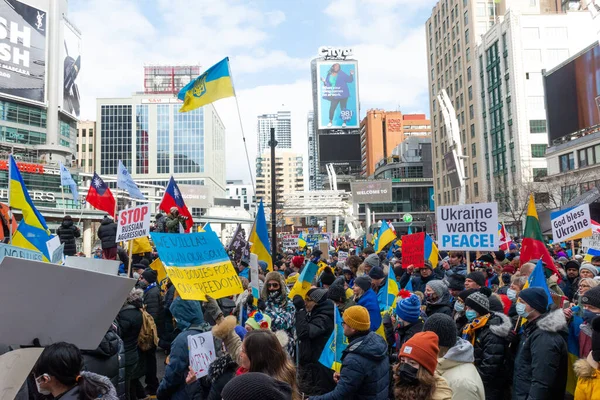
(338, 94)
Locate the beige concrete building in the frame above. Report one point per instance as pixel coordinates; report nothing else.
(453, 32)
(85, 154)
(289, 174)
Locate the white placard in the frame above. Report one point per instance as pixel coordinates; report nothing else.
(52, 245)
(342, 255)
(592, 242)
(468, 227)
(202, 353)
(133, 223)
(254, 280)
(14, 368)
(110, 267)
(571, 223)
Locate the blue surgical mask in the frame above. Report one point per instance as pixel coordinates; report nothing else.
(471, 314)
(459, 307)
(511, 294)
(520, 307)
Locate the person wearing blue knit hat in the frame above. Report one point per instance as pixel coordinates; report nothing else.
(408, 311)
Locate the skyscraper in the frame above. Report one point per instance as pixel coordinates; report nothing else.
(314, 177)
(282, 122)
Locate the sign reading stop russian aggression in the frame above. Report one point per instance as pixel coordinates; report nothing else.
(571, 223)
(198, 265)
(133, 223)
(468, 227)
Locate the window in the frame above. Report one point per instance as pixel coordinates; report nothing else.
(566, 162)
(558, 32)
(469, 74)
(83, 148)
(83, 163)
(473, 150)
(538, 150)
(537, 126)
(474, 170)
(466, 18)
(531, 33)
(471, 113)
(468, 54)
(83, 133)
(466, 36)
(470, 92)
(539, 173)
(476, 189)
(472, 130)
(90, 149)
(91, 132)
(568, 193)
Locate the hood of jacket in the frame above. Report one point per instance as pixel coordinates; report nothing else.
(371, 346)
(67, 223)
(275, 276)
(554, 321)
(106, 221)
(461, 352)
(109, 346)
(586, 368)
(186, 313)
(97, 379)
(500, 325)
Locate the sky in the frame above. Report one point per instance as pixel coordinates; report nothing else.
(270, 44)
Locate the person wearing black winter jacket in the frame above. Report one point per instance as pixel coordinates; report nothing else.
(153, 305)
(68, 233)
(314, 324)
(108, 359)
(419, 281)
(107, 233)
(487, 332)
(437, 298)
(129, 321)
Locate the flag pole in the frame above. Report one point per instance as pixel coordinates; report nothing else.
(62, 192)
(10, 215)
(237, 105)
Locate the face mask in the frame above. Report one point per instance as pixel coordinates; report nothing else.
(471, 314)
(39, 389)
(408, 374)
(588, 316)
(430, 298)
(142, 285)
(136, 275)
(459, 307)
(520, 307)
(511, 294)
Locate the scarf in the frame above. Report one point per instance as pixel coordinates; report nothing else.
(471, 327)
(150, 286)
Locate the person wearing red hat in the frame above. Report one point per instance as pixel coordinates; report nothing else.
(415, 377)
(297, 263)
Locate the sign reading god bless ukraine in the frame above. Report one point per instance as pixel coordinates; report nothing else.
(468, 227)
(571, 223)
(198, 265)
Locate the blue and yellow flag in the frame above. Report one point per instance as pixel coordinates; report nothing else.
(304, 282)
(386, 297)
(259, 237)
(18, 197)
(301, 241)
(212, 85)
(431, 251)
(331, 357)
(538, 279)
(32, 238)
(385, 236)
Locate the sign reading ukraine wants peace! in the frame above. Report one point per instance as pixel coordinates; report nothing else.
(468, 227)
(571, 223)
(198, 265)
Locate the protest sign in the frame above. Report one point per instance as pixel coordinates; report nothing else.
(467, 227)
(110, 267)
(14, 368)
(198, 265)
(413, 250)
(202, 353)
(592, 242)
(571, 223)
(312, 239)
(133, 223)
(52, 245)
(239, 246)
(290, 241)
(61, 304)
(158, 266)
(7, 250)
(254, 280)
(342, 255)
(57, 255)
(324, 247)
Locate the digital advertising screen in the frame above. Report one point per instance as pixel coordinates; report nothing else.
(71, 56)
(339, 149)
(338, 94)
(23, 35)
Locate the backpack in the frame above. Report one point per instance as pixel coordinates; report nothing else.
(148, 337)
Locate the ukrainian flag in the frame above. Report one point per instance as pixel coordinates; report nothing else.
(212, 85)
(301, 241)
(259, 237)
(431, 251)
(304, 282)
(18, 197)
(331, 357)
(386, 297)
(385, 236)
(32, 238)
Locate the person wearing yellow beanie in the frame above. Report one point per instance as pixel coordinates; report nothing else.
(365, 369)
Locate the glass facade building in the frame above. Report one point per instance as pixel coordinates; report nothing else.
(115, 138)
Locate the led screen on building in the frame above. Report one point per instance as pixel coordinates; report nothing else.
(337, 94)
(573, 95)
(23, 50)
(71, 56)
(339, 149)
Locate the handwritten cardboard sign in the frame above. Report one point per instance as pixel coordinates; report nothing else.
(202, 353)
(7, 250)
(413, 250)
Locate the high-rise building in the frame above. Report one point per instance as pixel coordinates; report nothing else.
(453, 31)
(238, 189)
(282, 122)
(315, 180)
(289, 174)
(510, 63)
(381, 131)
(154, 141)
(86, 146)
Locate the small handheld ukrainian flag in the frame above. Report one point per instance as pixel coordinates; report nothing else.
(259, 237)
(331, 357)
(214, 84)
(386, 297)
(385, 236)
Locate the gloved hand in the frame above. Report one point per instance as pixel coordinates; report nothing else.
(262, 306)
(298, 302)
(212, 308)
(512, 337)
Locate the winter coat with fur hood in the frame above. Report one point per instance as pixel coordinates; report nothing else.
(280, 309)
(542, 360)
(588, 379)
(73, 393)
(457, 368)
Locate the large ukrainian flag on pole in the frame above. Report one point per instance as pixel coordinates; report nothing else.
(32, 232)
(259, 237)
(212, 85)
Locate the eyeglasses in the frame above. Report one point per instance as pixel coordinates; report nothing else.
(273, 285)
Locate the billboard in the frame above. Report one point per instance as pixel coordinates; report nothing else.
(573, 94)
(71, 56)
(337, 102)
(197, 196)
(370, 192)
(23, 41)
(339, 149)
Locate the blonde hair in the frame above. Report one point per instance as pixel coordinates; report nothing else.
(591, 281)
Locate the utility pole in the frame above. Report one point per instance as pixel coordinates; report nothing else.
(273, 143)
